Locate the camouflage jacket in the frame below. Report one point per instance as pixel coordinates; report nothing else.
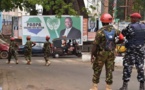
(13, 45)
(47, 46)
(100, 40)
(127, 32)
(29, 44)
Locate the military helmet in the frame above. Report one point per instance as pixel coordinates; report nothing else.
(28, 37)
(135, 15)
(106, 18)
(47, 37)
(12, 38)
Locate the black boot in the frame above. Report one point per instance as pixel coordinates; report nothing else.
(141, 86)
(124, 86)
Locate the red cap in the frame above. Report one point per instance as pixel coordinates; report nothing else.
(47, 37)
(106, 18)
(135, 15)
(28, 37)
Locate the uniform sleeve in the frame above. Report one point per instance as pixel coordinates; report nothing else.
(125, 31)
(44, 45)
(33, 43)
(26, 44)
(117, 32)
(16, 45)
(50, 45)
(97, 38)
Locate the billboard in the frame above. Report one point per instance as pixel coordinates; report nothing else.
(38, 27)
(93, 27)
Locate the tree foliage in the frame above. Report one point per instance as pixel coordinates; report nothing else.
(8, 5)
(139, 5)
(58, 7)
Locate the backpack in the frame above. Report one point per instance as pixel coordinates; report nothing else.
(110, 37)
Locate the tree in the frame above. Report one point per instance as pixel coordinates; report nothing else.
(139, 5)
(8, 5)
(51, 7)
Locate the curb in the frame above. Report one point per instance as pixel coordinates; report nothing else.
(118, 60)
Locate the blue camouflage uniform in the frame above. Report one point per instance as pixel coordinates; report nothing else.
(135, 35)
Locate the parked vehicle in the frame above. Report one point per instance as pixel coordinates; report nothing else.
(37, 49)
(4, 47)
(58, 50)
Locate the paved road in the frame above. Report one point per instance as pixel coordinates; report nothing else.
(62, 74)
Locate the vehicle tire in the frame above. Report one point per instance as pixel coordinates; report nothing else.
(56, 55)
(4, 54)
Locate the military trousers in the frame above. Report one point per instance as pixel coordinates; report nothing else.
(46, 56)
(27, 55)
(133, 57)
(12, 53)
(103, 58)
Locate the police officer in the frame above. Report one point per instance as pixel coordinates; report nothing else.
(135, 35)
(12, 50)
(101, 55)
(47, 50)
(28, 50)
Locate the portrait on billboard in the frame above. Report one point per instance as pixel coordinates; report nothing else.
(92, 26)
(70, 31)
(69, 26)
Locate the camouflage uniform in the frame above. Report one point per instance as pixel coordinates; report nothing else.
(46, 49)
(103, 56)
(133, 55)
(12, 51)
(28, 50)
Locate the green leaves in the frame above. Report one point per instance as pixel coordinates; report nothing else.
(58, 7)
(139, 5)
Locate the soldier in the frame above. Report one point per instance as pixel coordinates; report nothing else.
(103, 51)
(28, 50)
(135, 35)
(12, 50)
(47, 50)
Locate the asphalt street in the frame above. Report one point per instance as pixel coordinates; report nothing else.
(63, 74)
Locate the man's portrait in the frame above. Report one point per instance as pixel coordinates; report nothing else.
(92, 26)
(70, 31)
